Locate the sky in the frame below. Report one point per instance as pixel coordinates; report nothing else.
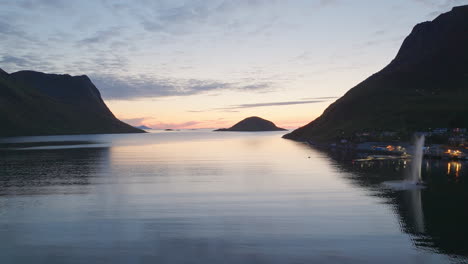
(211, 63)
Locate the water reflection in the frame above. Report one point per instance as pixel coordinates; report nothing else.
(415, 213)
(454, 167)
(435, 217)
(28, 172)
(204, 197)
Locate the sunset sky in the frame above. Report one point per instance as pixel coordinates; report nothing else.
(211, 63)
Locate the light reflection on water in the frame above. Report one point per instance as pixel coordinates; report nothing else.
(454, 167)
(205, 197)
(435, 216)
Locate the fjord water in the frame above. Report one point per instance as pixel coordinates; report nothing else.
(226, 197)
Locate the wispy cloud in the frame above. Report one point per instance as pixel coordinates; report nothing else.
(185, 17)
(379, 32)
(320, 98)
(439, 6)
(272, 104)
(134, 87)
(430, 3)
(154, 124)
(35, 4)
(235, 108)
(196, 111)
(8, 29)
(17, 61)
(25, 62)
(325, 3)
(227, 40)
(135, 121)
(101, 36)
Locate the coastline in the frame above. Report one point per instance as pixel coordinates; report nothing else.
(433, 151)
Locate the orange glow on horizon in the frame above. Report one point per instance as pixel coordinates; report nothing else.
(209, 124)
(200, 112)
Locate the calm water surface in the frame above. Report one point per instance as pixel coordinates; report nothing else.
(205, 197)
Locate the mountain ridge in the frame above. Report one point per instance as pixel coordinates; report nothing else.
(424, 86)
(35, 103)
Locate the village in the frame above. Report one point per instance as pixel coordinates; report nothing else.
(440, 143)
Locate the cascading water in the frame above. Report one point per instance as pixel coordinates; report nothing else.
(413, 180)
(415, 174)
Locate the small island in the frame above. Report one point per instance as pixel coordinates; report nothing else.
(253, 124)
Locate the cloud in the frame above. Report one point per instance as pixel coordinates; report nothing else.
(101, 36)
(440, 6)
(155, 124)
(325, 3)
(177, 19)
(379, 32)
(24, 62)
(235, 108)
(430, 3)
(134, 87)
(271, 104)
(320, 98)
(196, 111)
(17, 61)
(256, 87)
(150, 122)
(9, 29)
(135, 121)
(184, 17)
(35, 4)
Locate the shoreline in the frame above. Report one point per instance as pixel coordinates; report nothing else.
(359, 148)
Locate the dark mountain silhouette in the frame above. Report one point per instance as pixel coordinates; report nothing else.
(252, 124)
(35, 103)
(425, 86)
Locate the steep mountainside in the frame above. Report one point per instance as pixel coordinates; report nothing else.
(425, 86)
(253, 123)
(34, 103)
